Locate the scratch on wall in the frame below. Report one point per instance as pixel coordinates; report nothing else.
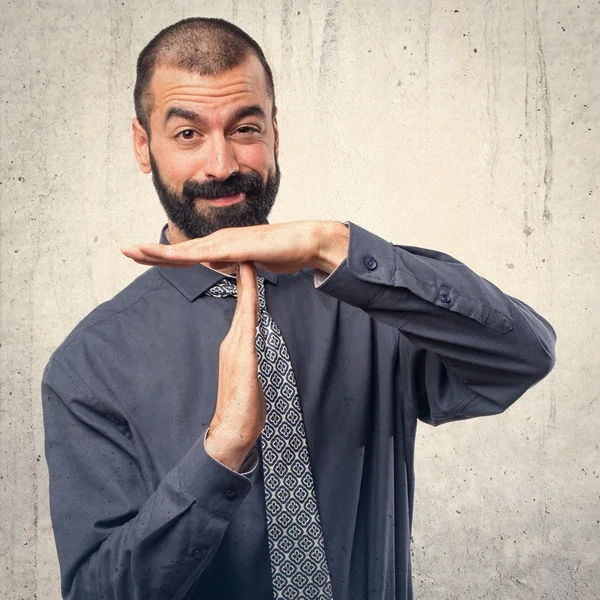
(552, 416)
(539, 116)
(527, 145)
(493, 67)
(542, 501)
(526, 106)
(426, 59)
(545, 99)
(263, 22)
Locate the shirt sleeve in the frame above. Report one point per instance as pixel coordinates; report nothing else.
(117, 539)
(465, 348)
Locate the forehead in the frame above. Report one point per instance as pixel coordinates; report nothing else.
(244, 83)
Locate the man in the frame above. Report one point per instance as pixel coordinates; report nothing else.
(202, 446)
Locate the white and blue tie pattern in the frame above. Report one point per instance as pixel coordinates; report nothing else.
(298, 564)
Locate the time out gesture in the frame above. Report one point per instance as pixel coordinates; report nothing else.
(280, 248)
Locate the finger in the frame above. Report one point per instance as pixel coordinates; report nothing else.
(139, 256)
(136, 254)
(133, 252)
(182, 254)
(153, 262)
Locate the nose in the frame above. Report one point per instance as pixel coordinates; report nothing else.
(220, 161)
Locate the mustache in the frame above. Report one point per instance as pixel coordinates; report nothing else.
(250, 184)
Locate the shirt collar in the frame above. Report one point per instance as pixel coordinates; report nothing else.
(195, 280)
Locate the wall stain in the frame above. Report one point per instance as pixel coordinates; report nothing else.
(328, 52)
(118, 78)
(311, 48)
(263, 24)
(287, 50)
(391, 63)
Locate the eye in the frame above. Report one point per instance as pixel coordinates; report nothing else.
(186, 134)
(247, 129)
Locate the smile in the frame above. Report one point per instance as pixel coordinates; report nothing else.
(225, 200)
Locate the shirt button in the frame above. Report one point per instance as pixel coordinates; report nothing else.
(445, 298)
(197, 554)
(230, 494)
(370, 263)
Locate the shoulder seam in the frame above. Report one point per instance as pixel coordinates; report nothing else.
(117, 312)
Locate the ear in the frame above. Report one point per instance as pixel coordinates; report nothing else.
(276, 132)
(141, 146)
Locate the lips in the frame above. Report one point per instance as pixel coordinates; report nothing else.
(226, 200)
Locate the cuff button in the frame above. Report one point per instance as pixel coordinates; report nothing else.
(445, 298)
(197, 554)
(370, 263)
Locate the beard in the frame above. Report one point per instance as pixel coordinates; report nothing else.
(196, 220)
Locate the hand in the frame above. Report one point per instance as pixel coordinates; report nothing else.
(241, 410)
(279, 248)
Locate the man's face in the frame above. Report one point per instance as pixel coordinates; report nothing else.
(213, 148)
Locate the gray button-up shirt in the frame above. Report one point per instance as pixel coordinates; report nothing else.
(395, 334)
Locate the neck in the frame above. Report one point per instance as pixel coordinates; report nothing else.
(176, 236)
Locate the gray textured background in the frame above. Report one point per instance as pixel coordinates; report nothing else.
(467, 126)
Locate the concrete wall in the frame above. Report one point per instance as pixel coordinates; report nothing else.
(462, 125)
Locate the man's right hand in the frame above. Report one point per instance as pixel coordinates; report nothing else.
(241, 410)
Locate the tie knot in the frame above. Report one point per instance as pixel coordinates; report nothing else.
(227, 287)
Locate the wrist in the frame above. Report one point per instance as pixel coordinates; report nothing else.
(230, 451)
(333, 238)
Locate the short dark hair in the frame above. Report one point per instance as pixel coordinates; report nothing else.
(199, 45)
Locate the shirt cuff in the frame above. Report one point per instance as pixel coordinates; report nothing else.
(370, 260)
(247, 467)
(320, 277)
(211, 483)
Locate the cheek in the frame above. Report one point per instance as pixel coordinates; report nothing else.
(258, 157)
(178, 167)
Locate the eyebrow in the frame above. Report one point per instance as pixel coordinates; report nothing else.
(189, 115)
(249, 111)
(183, 113)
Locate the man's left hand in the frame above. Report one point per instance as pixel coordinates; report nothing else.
(279, 248)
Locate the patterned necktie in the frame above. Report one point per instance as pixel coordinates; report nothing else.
(296, 549)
